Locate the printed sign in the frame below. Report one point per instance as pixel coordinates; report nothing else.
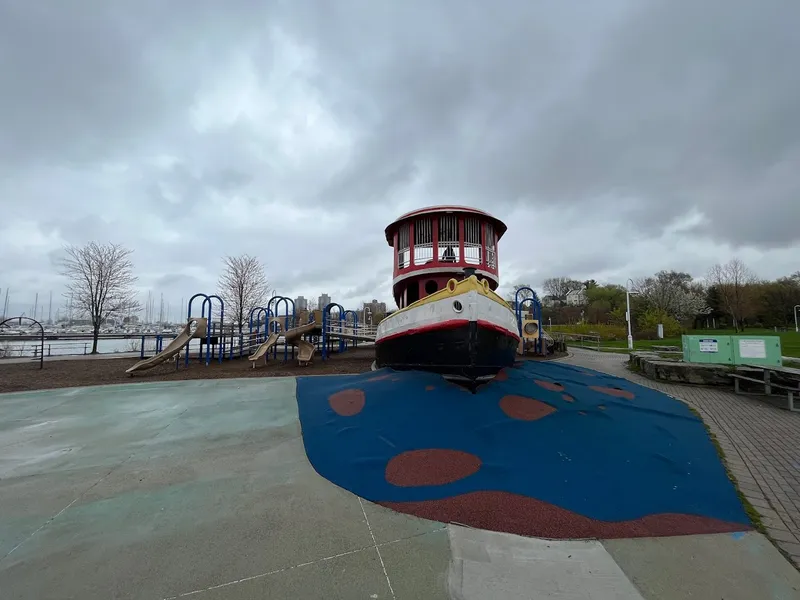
(752, 349)
(709, 346)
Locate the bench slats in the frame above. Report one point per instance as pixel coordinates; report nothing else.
(761, 381)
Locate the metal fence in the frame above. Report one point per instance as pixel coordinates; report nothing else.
(577, 340)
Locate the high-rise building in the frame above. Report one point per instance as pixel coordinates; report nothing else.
(324, 300)
(300, 303)
(373, 308)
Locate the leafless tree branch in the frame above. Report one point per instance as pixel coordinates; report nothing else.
(243, 286)
(100, 282)
(558, 287)
(735, 283)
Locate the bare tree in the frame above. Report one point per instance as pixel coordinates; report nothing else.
(559, 287)
(243, 286)
(735, 284)
(101, 282)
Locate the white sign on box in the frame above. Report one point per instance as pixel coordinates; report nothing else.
(709, 346)
(752, 349)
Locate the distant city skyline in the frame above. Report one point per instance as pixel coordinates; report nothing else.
(155, 307)
(300, 303)
(323, 301)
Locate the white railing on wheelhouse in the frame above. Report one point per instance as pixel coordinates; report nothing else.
(403, 247)
(423, 241)
(472, 241)
(491, 258)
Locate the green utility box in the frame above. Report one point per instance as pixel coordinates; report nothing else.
(715, 349)
(732, 349)
(757, 350)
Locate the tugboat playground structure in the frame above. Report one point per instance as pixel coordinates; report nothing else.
(441, 251)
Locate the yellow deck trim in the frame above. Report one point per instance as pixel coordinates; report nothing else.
(461, 287)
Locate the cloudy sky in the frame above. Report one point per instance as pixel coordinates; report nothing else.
(615, 137)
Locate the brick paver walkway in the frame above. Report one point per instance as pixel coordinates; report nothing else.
(761, 445)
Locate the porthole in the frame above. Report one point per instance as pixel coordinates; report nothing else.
(431, 287)
(457, 306)
(451, 285)
(531, 328)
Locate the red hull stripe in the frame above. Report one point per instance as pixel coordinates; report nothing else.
(498, 328)
(450, 324)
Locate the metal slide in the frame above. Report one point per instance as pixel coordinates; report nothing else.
(264, 347)
(175, 346)
(305, 351)
(291, 337)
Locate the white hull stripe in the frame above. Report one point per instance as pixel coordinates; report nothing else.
(474, 307)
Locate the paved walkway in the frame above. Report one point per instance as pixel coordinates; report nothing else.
(202, 490)
(761, 445)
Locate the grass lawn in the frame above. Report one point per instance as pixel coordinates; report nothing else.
(790, 340)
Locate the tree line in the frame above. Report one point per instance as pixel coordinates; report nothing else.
(730, 295)
(101, 284)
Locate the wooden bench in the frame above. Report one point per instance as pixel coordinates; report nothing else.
(768, 385)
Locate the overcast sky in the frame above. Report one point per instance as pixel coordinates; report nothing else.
(615, 137)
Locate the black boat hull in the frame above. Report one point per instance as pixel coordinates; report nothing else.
(464, 350)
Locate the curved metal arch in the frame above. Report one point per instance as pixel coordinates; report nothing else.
(189, 308)
(537, 314)
(326, 322)
(286, 323)
(354, 314)
(207, 301)
(41, 330)
(189, 318)
(258, 311)
(221, 324)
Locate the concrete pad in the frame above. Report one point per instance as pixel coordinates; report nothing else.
(24, 405)
(226, 494)
(500, 566)
(388, 525)
(93, 427)
(739, 566)
(27, 503)
(349, 577)
(418, 567)
(169, 540)
(219, 416)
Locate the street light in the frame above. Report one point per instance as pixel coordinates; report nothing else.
(796, 329)
(628, 311)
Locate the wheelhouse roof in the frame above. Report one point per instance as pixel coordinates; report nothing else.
(499, 227)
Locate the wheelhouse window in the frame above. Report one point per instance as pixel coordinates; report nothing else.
(423, 241)
(472, 241)
(448, 239)
(403, 248)
(491, 247)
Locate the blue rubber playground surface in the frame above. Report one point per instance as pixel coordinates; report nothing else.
(543, 443)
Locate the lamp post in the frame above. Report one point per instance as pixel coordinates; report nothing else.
(796, 329)
(367, 313)
(628, 311)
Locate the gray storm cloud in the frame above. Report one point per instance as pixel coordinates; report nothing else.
(297, 131)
